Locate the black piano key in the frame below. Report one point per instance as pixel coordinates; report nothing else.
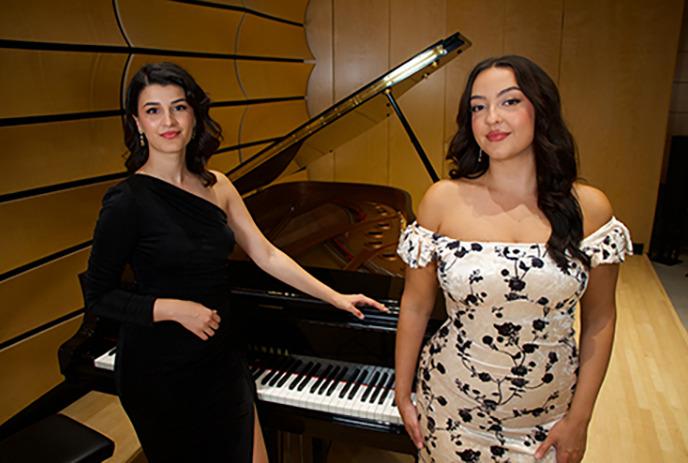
(322, 377)
(388, 389)
(349, 382)
(285, 375)
(378, 389)
(313, 371)
(278, 368)
(285, 370)
(336, 381)
(370, 387)
(304, 371)
(328, 381)
(256, 372)
(357, 385)
(291, 370)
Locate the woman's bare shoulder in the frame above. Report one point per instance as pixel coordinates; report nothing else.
(596, 208)
(437, 200)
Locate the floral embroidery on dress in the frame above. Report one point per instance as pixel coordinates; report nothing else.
(501, 370)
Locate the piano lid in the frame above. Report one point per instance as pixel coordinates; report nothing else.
(343, 121)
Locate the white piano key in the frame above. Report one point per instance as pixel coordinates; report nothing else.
(107, 360)
(304, 398)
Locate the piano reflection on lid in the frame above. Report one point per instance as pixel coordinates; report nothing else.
(319, 373)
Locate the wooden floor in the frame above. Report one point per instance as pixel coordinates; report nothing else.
(642, 411)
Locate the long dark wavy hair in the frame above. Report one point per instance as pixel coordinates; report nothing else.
(207, 133)
(554, 147)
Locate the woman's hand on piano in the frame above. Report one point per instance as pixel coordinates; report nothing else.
(351, 302)
(195, 317)
(409, 415)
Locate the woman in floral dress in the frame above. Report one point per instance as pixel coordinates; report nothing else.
(515, 243)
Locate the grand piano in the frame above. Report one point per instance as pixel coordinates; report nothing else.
(319, 373)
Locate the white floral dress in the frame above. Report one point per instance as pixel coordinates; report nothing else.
(501, 370)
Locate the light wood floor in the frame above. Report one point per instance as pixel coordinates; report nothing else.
(642, 411)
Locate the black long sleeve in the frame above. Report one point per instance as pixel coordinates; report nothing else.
(113, 243)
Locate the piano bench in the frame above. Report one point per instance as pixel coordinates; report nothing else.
(58, 439)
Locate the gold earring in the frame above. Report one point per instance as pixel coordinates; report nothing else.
(142, 140)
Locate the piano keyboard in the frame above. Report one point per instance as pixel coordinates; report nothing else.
(342, 388)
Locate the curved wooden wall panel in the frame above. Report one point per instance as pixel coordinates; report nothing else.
(75, 21)
(29, 368)
(224, 162)
(270, 120)
(179, 26)
(265, 79)
(60, 128)
(59, 295)
(263, 37)
(43, 225)
(293, 10)
(39, 83)
(422, 103)
(217, 76)
(59, 152)
(229, 118)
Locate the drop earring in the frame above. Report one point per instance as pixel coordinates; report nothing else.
(480, 155)
(142, 140)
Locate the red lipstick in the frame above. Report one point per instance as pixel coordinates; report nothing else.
(496, 135)
(170, 134)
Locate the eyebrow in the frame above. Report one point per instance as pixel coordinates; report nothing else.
(155, 103)
(501, 92)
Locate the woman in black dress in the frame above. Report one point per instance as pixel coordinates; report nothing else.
(180, 374)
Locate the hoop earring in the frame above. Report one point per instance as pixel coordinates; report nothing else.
(142, 140)
(480, 155)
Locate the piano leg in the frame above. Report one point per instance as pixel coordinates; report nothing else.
(273, 444)
(315, 450)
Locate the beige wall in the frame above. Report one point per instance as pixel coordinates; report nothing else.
(613, 61)
(64, 64)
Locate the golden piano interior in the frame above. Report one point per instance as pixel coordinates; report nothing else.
(63, 65)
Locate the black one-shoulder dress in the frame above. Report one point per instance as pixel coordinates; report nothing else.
(188, 399)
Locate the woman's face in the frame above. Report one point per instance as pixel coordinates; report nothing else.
(165, 118)
(502, 118)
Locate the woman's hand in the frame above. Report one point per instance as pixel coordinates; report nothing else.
(350, 303)
(409, 415)
(569, 437)
(195, 317)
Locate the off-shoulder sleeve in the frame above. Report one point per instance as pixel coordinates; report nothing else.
(609, 244)
(416, 246)
(113, 242)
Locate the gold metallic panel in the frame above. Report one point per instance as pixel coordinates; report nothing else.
(179, 26)
(76, 21)
(262, 37)
(216, 76)
(36, 297)
(35, 82)
(264, 121)
(229, 118)
(56, 152)
(42, 225)
(293, 10)
(30, 368)
(265, 79)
